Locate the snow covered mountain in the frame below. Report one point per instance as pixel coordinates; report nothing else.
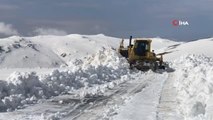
(83, 77)
(49, 51)
(198, 47)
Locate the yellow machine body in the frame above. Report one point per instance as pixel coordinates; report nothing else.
(140, 55)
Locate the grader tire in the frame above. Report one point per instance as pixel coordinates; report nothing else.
(154, 66)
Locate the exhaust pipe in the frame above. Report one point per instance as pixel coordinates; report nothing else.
(130, 41)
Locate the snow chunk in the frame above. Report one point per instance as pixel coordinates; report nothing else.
(194, 84)
(27, 88)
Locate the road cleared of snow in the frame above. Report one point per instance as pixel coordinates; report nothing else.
(143, 106)
(167, 107)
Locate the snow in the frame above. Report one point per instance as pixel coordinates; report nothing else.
(193, 81)
(50, 51)
(147, 106)
(198, 47)
(83, 77)
(26, 88)
(19, 53)
(191, 99)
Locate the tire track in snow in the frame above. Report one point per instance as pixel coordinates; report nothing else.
(166, 109)
(95, 111)
(143, 106)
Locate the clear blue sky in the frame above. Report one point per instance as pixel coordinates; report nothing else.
(118, 18)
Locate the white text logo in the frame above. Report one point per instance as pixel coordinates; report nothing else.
(180, 23)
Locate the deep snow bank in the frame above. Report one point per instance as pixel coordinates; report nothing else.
(27, 88)
(194, 84)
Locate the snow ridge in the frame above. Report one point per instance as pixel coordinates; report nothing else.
(194, 84)
(27, 88)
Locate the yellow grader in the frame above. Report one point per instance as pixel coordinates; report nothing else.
(140, 56)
